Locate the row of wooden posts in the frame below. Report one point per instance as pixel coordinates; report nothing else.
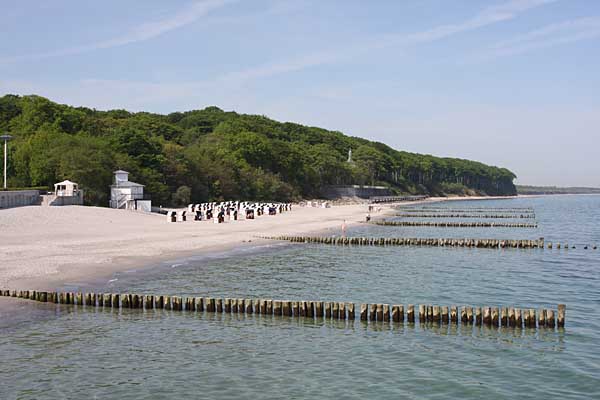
(482, 216)
(490, 316)
(433, 242)
(469, 209)
(456, 224)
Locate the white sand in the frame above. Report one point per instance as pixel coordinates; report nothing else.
(43, 247)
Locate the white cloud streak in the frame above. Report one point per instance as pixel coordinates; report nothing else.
(549, 36)
(488, 16)
(140, 33)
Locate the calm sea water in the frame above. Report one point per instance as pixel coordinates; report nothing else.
(69, 352)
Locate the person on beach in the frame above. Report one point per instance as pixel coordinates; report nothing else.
(368, 217)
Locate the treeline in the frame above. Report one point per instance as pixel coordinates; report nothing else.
(211, 154)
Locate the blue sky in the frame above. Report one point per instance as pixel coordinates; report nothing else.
(513, 83)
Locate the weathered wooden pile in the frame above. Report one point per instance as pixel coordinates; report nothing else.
(443, 224)
(489, 316)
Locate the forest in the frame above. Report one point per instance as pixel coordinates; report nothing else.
(211, 154)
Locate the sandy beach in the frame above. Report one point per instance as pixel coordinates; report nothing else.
(44, 247)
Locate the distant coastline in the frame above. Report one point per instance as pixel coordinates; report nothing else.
(545, 190)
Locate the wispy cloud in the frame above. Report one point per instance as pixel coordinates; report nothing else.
(140, 33)
(488, 16)
(549, 36)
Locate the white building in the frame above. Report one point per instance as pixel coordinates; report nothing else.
(128, 195)
(66, 193)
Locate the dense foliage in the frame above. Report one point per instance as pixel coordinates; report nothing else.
(211, 154)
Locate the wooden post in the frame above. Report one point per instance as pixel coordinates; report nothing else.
(487, 315)
(532, 317)
(241, 306)
(410, 316)
(270, 307)
(136, 303)
(504, 316)
(342, 308)
(436, 314)
(248, 304)
(168, 303)
(319, 306)
(429, 312)
(562, 312)
(303, 306)
(470, 315)
(79, 299)
(263, 306)
(495, 316)
(445, 314)
(310, 309)
(256, 306)
(454, 314)
(364, 311)
(478, 316)
(277, 307)
(542, 318)
(518, 318)
(295, 308)
(422, 313)
(160, 302)
(287, 308)
(212, 305)
(219, 305)
(328, 307)
(177, 300)
(88, 299)
(351, 314)
(511, 317)
(373, 312)
(335, 310)
(199, 304)
(114, 300)
(125, 303)
(386, 312)
(105, 300)
(379, 311)
(396, 313)
(550, 318)
(149, 301)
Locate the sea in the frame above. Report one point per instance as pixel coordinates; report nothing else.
(70, 352)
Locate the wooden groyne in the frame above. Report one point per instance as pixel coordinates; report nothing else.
(456, 224)
(394, 199)
(524, 210)
(482, 216)
(491, 316)
(432, 242)
(463, 210)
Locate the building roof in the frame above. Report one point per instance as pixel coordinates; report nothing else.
(127, 184)
(120, 171)
(66, 183)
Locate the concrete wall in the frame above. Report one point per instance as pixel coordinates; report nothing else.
(19, 198)
(364, 192)
(54, 200)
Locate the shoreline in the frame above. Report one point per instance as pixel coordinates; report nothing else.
(58, 257)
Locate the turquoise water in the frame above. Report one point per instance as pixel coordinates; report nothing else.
(70, 352)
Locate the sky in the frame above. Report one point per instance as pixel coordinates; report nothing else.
(513, 83)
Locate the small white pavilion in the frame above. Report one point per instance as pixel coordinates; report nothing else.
(66, 189)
